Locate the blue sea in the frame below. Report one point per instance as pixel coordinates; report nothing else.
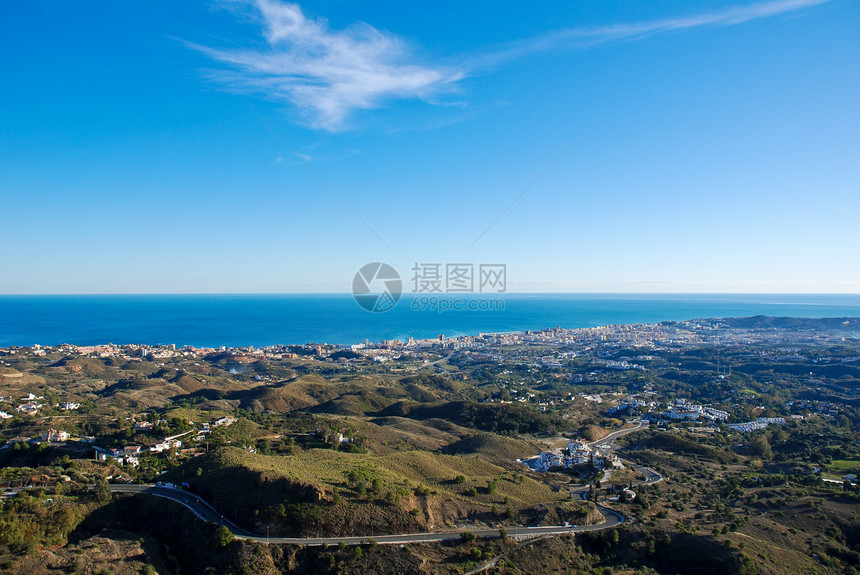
(260, 320)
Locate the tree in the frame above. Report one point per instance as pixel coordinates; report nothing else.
(491, 487)
(467, 536)
(223, 536)
(761, 446)
(102, 490)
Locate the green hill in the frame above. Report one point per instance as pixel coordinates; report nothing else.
(345, 493)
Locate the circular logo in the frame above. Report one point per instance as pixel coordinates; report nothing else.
(377, 287)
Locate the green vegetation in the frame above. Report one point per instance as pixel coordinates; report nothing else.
(350, 446)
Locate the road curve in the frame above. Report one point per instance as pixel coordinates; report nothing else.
(208, 513)
(195, 504)
(204, 511)
(640, 425)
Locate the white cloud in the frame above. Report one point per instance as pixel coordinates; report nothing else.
(727, 17)
(324, 72)
(585, 36)
(329, 74)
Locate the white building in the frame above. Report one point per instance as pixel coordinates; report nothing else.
(165, 445)
(55, 436)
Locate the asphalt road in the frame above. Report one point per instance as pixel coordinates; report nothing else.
(208, 513)
(616, 434)
(198, 506)
(651, 476)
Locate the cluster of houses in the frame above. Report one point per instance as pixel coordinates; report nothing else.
(683, 410)
(123, 455)
(578, 452)
(760, 423)
(633, 405)
(622, 365)
(31, 404)
(128, 455)
(824, 408)
(693, 412)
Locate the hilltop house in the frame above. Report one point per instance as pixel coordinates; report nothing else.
(55, 436)
(29, 408)
(165, 445)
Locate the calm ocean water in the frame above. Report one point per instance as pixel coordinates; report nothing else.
(240, 320)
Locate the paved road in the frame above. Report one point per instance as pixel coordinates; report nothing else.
(616, 434)
(651, 476)
(198, 506)
(208, 513)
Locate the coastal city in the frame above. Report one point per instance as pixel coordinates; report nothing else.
(583, 357)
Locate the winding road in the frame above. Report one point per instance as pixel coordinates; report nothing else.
(197, 505)
(205, 511)
(640, 425)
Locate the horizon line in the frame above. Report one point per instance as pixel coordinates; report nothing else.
(434, 294)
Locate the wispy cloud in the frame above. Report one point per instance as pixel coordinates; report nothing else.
(331, 73)
(324, 72)
(589, 36)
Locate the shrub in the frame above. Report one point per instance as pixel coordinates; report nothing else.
(223, 536)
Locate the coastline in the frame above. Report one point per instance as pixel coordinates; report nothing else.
(295, 319)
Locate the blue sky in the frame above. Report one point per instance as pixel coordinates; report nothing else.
(164, 147)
